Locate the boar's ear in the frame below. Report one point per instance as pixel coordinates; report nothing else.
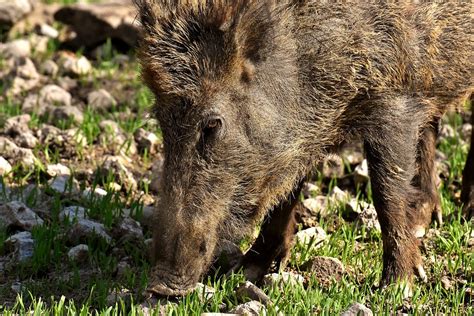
(256, 28)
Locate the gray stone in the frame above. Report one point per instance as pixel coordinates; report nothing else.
(66, 113)
(71, 213)
(26, 140)
(17, 214)
(53, 95)
(15, 49)
(313, 235)
(357, 309)
(63, 184)
(73, 66)
(49, 68)
(325, 269)
(316, 205)
(101, 100)
(466, 131)
(85, 228)
(39, 43)
(277, 279)
(97, 193)
(128, 229)
(15, 154)
(115, 165)
(337, 195)
(30, 104)
(205, 292)
(367, 216)
(310, 190)
(252, 308)
(22, 245)
(78, 253)
(24, 77)
(353, 153)
(114, 139)
(251, 291)
(5, 166)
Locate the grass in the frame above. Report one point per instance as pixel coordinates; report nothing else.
(53, 285)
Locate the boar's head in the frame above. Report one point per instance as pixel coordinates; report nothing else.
(224, 76)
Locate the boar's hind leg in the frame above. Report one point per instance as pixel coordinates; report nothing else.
(390, 140)
(427, 206)
(467, 195)
(275, 238)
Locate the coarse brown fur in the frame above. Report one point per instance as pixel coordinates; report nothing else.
(250, 95)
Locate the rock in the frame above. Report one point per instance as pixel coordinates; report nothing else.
(146, 141)
(25, 77)
(114, 139)
(101, 100)
(205, 292)
(17, 125)
(146, 219)
(47, 30)
(252, 308)
(23, 156)
(71, 213)
(314, 236)
(94, 23)
(22, 244)
(357, 309)
(85, 228)
(39, 43)
(68, 83)
(49, 68)
(353, 153)
(30, 104)
(316, 205)
(276, 279)
(53, 95)
(251, 291)
(128, 229)
(447, 283)
(70, 65)
(17, 214)
(15, 49)
(333, 167)
(78, 253)
(361, 173)
(367, 215)
(97, 193)
(114, 165)
(466, 131)
(27, 140)
(13, 10)
(116, 296)
(122, 268)
(446, 131)
(337, 195)
(58, 169)
(5, 166)
(325, 269)
(310, 190)
(156, 174)
(66, 113)
(63, 184)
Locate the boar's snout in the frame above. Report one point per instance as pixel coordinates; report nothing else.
(180, 259)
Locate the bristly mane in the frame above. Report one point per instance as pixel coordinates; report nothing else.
(186, 42)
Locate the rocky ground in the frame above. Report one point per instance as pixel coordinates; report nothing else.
(80, 158)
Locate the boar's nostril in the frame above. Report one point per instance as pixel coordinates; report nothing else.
(203, 248)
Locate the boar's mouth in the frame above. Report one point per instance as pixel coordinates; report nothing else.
(169, 283)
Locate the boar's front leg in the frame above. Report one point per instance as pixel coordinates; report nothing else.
(467, 195)
(275, 239)
(391, 136)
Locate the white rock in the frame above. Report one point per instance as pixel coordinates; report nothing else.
(146, 140)
(205, 292)
(368, 217)
(277, 279)
(71, 65)
(316, 205)
(129, 229)
(53, 95)
(16, 49)
(361, 173)
(17, 214)
(13, 10)
(22, 244)
(58, 169)
(357, 309)
(47, 30)
(101, 100)
(97, 192)
(314, 235)
(338, 195)
(5, 166)
(66, 113)
(49, 68)
(63, 183)
(252, 308)
(78, 253)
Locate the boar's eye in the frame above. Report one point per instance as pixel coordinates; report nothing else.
(212, 127)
